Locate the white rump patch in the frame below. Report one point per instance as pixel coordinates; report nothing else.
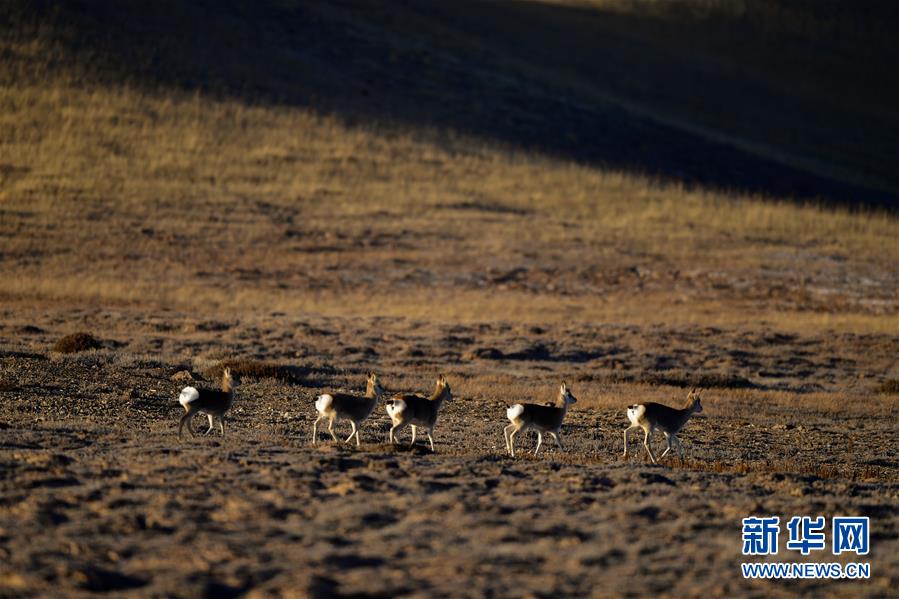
(188, 394)
(515, 412)
(635, 413)
(323, 403)
(395, 407)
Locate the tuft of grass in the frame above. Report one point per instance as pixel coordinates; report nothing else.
(257, 369)
(77, 342)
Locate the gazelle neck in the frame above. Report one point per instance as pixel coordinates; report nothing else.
(373, 392)
(439, 395)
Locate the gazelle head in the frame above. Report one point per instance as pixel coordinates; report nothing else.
(373, 385)
(565, 396)
(443, 389)
(694, 400)
(227, 379)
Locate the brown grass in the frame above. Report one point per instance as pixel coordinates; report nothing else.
(124, 195)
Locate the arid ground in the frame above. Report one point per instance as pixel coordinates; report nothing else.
(188, 224)
(99, 494)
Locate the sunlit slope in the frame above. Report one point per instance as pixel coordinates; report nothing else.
(778, 98)
(257, 164)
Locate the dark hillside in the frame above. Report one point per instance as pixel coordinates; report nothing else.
(781, 98)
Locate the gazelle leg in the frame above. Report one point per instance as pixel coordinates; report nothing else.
(678, 447)
(558, 437)
(413, 436)
(668, 448)
(626, 431)
(506, 431)
(431, 439)
(390, 436)
(211, 424)
(539, 442)
(357, 438)
(512, 441)
(646, 445)
(331, 429)
(315, 428)
(222, 424)
(352, 434)
(186, 420)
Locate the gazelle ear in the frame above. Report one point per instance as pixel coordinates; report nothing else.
(564, 387)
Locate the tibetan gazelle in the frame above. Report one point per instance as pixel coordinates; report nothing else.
(416, 410)
(212, 402)
(543, 418)
(650, 416)
(354, 408)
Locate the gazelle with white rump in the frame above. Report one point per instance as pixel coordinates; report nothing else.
(651, 415)
(543, 418)
(212, 402)
(417, 410)
(356, 409)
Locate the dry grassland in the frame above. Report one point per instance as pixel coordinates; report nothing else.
(174, 184)
(188, 229)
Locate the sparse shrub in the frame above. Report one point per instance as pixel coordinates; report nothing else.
(889, 386)
(77, 342)
(711, 380)
(241, 367)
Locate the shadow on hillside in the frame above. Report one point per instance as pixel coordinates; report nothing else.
(529, 75)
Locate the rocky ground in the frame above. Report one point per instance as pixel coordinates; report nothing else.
(99, 494)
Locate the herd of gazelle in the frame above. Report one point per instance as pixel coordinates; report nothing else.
(414, 410)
